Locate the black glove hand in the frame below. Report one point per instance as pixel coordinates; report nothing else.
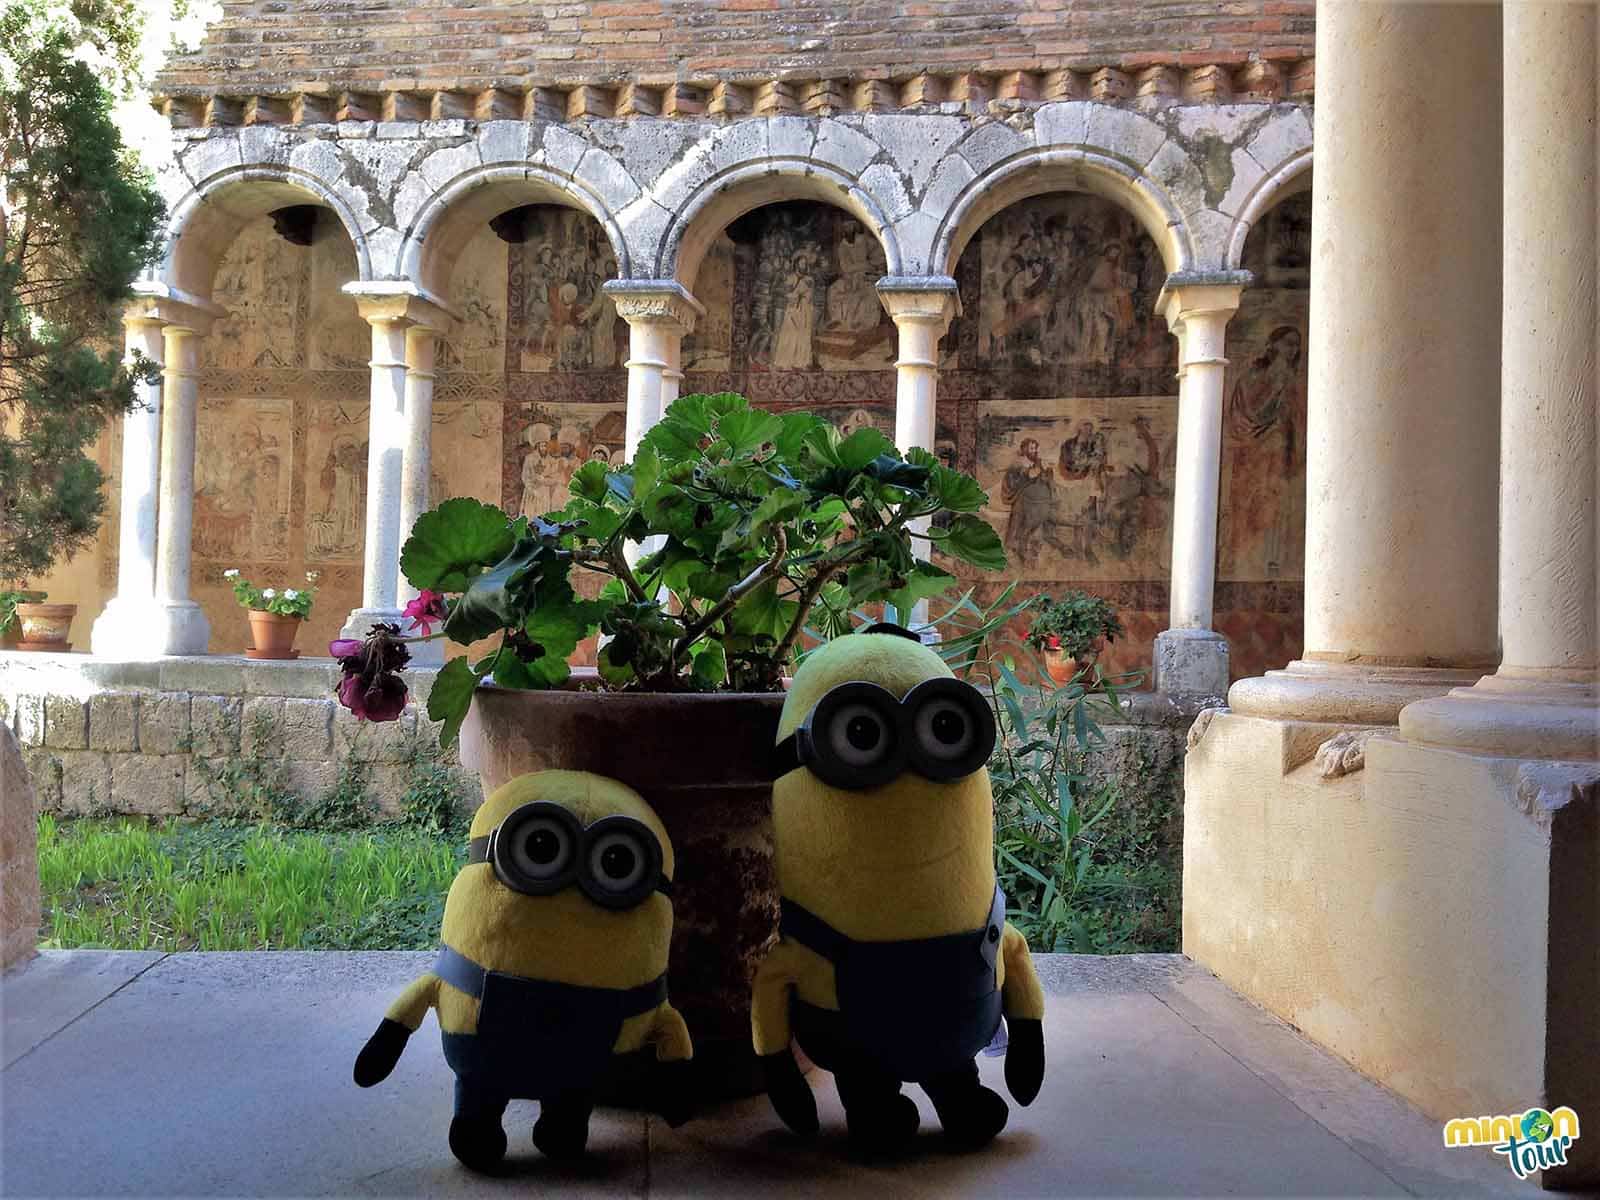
(1024, 1059)
(790, 1093)
(673, 1085)
(382, 1051)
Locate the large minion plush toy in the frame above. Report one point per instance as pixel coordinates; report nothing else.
(894, 962)
(553, 959)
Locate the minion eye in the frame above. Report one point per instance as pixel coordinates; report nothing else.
(617, 862)
(944, 731)
(859, 736)
(542, 849)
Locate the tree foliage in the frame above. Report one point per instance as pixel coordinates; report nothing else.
(77, 222)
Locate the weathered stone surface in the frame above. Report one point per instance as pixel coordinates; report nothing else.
(19, 861)
(888, 191)
(261, 727)
(203, 676)
(374, 741)
(846, 147)
(45, 771)
(1063, 124)
(214, 725)
(1128, 135)
(152, 784)
(1286, 134)
(66, 723)
(85, 781)
(163, 722)
(114, 721)
(306, 731)
(27, 716)
(311, 780)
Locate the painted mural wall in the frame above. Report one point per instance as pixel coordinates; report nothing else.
(1057, 390)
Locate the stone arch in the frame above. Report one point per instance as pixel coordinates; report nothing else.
(450, 216)
(1063, 169)
(728, 195)
(1289, 178)
(205, 221)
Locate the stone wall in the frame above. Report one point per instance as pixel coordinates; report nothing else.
(19, 861)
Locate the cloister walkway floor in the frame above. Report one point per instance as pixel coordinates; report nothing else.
(229, 1075)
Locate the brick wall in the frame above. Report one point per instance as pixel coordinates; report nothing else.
(285, 44)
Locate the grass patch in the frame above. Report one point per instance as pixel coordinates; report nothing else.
(128, 884)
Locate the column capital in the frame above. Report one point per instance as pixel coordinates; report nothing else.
(158, 304)
(1188, 294)
(920, 299)
(398, 300)
(654, 302)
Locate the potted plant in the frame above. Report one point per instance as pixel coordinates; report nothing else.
(759, 525)
(1070, 632)
(48, 624)
(275, 614)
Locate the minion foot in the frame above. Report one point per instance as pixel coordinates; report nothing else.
(562, 1130)
(479, 1144)
(971, 1114)
(884, 1125)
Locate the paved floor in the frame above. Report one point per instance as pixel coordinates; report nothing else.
(229, 1075)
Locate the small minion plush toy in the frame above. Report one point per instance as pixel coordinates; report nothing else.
(553, 959)
(894, 962)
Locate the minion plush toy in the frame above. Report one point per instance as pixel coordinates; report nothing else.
(894, 962)
(553, 959)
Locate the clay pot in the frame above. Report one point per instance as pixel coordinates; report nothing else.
(45, 626)
(273, 635)
(701, 761)
(1062, 667)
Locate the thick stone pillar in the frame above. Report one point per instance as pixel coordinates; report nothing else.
(392, 311)
(1191, 659)
(658, 312)
(1543, 701)
(1402, 430)
(922, 308)
(182, 627)
(672, 374)
(417, 461)
(128, 619)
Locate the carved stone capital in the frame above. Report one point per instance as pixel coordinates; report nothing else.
(158, 304)
(920, 300)
(654, 301)
(398, 300)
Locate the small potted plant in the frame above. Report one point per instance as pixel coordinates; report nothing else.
(28, 623)
(1070, 632)
(10, 623)
(760, 526)
(275, 614)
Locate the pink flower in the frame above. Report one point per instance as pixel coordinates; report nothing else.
(383, 700)
(344, 647)
(427, 608)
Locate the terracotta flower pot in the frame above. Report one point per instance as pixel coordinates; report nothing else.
(701, 762)
(273, 634)
(1062, 666)
(45, 626)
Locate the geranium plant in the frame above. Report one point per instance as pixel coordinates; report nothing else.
(756, 523)
(285, 602)
(1074, 625)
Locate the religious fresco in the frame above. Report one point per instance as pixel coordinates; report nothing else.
(1057, 390)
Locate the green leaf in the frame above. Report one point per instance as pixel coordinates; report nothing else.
(451, 697)
(761, 613)
(925, 581)
(451, 544)
(710, 663)
(589, 481)
(614, 673)
(747, 430)
(862, 446)
(646, 472)
(559, 621)
(797, 428)
(498, 598)
(956, 490)
(974, 540)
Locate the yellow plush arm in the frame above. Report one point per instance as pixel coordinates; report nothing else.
(1020, 993)
(413, 1004)
(769, 1000)
(671, 1036)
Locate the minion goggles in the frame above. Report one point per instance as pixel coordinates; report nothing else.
(541, 848)
(860, 735)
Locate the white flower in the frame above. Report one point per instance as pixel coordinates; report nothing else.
(289, 593)
(269, 593)
(231, 573)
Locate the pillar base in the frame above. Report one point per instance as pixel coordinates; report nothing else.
(130, 629)
(1191, 662)
(1342, 693)
(181, 627)
(427, 654)
(1522, 717)
(361, 620)
(1430, 917)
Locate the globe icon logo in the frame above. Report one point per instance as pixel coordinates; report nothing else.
(1537, 1125)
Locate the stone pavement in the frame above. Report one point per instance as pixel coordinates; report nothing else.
(229, 1075)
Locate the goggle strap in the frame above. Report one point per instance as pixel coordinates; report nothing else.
(478, 850)
(786, 756)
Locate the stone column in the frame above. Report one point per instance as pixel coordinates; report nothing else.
(672, 373)
(1401, 437)
(417, 461)
(119, 631)
(392, 311)
(658, 312)
(1543, 701)
(1191, 659)
(922, 307)
(182, 626)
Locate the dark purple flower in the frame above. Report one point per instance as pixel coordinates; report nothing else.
(427, 608)
(372, 687)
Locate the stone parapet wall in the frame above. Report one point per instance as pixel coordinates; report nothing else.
(19, 859)
(197, 736)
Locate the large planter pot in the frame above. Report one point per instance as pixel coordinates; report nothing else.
(45, 626)
(273, 635)
(701, 761)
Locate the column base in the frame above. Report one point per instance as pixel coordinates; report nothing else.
(1342, 693)
(1430, 917)
(361, 620)
(427, 654)
(1191, 663)
(180, 627)
(129, 630)
(1522, 717)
